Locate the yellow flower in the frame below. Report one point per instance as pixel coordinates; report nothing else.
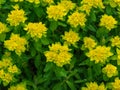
(58, 54)
(56, 12)
(17, 16)
(110, 70)
(13, 69)
(100, 54)
(7, 78)
(108, 22)
(77, 19)
(68, 5)
(6, 62)
(2, 73)
(71, 37)
(85, 8)
(36, 30)
(34, 1)
(115, 41)
(16, 0)
(3, 28)
(93, 3)
(116, 84)
(18, 44)
(49, 1)
(89, 43)
(20, 86)
(94, 86)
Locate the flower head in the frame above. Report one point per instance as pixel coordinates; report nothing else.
(108, 22)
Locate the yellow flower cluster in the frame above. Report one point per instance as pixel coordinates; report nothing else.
(77, 19)
(59, 54)
(71, 37)
(115, 41)
(100, 54)
(93, 3)
(8, 70)
(20, 86)
(34, 1)
(17, 16)
(116, 84)
(110, 70)
(67, 4)
(16, 43)
(89, 43)
(16, 0)
(94, 86)
(3, 28)
(36, 30)
(56, 12)
(114, 3)
(108, 22)
(49, 1)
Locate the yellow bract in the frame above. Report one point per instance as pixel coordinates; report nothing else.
(110, 70)
(77, 19)
(108, 22)
(58, 54)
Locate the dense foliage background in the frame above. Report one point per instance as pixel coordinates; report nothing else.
(59, 44)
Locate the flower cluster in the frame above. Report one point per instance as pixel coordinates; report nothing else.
(108, 22)
(110, 70)
(71, 40)
(36, 30)
(59, 54)
(3, 28)
(100, 54)
(8, 70)
(17, 16)
(94, 86)
(20, 86)
(16, 43)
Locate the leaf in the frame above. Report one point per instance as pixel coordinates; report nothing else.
(2, 37)
(32, 51)
(37, 45)
(62, 24)
(92, 28)
(48, 66)
(37, 61)
(60, 72)
(57, 86)
(53, 25)
(93, 16)
(90, 75)
(44, 41)
(39, 11)
(109, 10)
(71, 85)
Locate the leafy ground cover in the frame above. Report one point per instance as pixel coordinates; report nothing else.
(59, 44)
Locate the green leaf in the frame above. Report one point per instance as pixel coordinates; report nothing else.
(92, 28)
(37, 45)
(48, 66)
(62, 24)
(39, 11)
(90, 74)
(32, 51)
(37, 61)
(2, 37)
(53, 25)
(93, 16)
(109, 10)
(60, 72)
(57, 86)
(97, 69)
(44, 41)
(71, 85)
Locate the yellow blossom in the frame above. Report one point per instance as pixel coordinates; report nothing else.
(13, 69)
(20, 86)
(17, 0)
(56, 12)
(93, 3)
(108, 22)
(3, 28)
(94, 86)
(115, 41)
(34, 1)
(67, 4)
(71, 37)
(58, 54)
(116, 84)
(18, 44)
(100, 54)
(36, 30)
(2, 73)
(77, 19)
(49, 1)
(89, 43)
(110, 70)
(85, 8)
(17, 16)
(7, 78)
